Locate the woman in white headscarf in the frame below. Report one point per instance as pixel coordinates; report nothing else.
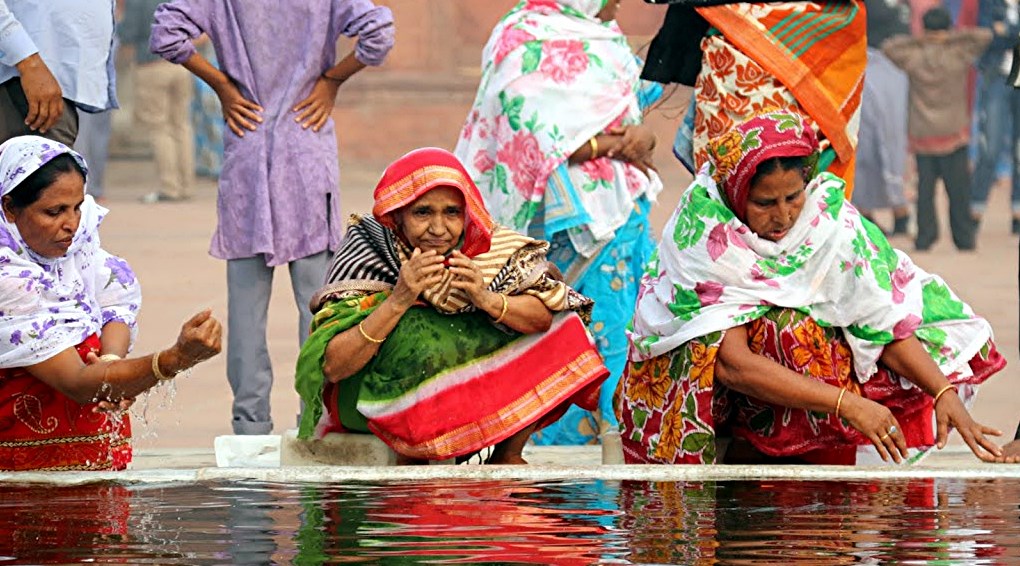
(67, 320)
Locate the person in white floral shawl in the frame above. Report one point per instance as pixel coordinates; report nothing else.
(67, 320)
(555, 143)
(775, 324)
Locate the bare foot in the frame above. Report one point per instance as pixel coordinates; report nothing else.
(1010, 453)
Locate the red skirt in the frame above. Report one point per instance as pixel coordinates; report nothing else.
(43, 429)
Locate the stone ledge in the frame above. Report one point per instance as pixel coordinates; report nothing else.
(335, 449)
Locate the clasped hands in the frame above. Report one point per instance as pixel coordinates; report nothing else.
(427, 269)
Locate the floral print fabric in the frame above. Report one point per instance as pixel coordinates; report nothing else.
(50, 305)
(672, 410)
(553, 77)
(711, 273)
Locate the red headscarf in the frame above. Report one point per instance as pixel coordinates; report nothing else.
(737, 154)
(422, 170)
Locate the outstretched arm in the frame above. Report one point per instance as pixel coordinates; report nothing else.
(907, 357)
(740, 369)
(116, 380)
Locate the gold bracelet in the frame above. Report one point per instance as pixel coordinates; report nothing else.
(839, 401)
(155, 369)
(366, 336)
(109, 358)
(941, 392)
(502, 313)
(594, 145)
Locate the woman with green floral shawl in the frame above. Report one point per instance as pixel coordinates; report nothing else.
(441, 332)
(776, 318)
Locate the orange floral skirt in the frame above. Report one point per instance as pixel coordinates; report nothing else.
(671, 410)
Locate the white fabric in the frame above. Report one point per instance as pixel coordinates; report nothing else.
(49, 305)
(712, 273)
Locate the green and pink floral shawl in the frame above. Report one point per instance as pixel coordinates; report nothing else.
(711, 272)
(553, 76)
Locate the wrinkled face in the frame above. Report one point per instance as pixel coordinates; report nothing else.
(774, 203)
(48, 224)
(608, 12)
(433, 222)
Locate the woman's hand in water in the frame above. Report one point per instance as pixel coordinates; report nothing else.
(950, 412)
(876, 422)
(423, 270)
(468, 278)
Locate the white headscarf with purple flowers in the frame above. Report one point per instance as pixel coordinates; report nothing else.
(48, 305)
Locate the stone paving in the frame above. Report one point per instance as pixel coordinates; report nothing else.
(167, 245)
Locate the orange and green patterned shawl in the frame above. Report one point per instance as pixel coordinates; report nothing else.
(817, 50)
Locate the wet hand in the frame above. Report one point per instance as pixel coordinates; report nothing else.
(316, 109)
(467, 277)
(878, 424)
(111, 407)
(199, 340)
(240, 113)
(951, 412)
(422, 271)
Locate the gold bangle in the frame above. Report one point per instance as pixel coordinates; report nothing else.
(941, 392)
(155, 369)
(594, 145)
(502, 313)
(839, 401)
(109, 358)
(366, 336)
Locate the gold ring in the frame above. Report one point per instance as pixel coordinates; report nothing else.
(884, 436)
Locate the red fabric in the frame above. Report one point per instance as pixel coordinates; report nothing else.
(674, 419)
(425, 169)
(42, 429)
(536, 385)
(738, 153)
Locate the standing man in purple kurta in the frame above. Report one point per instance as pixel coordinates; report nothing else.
(278, 201)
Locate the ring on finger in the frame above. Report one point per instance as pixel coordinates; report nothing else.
(892, 430)
(884, 436)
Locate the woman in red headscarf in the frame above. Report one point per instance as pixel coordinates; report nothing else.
(440, 332)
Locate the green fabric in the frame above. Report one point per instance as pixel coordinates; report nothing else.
(332, 319)
(424, 345)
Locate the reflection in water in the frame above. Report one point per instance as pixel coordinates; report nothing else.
(580, 522)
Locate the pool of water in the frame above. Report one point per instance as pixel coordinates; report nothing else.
(965, 521)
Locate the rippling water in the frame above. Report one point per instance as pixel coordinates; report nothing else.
(443, 522)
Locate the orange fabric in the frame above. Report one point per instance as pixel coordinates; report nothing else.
(827, 79)
(425, 169)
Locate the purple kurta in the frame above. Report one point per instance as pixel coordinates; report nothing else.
(278, 188)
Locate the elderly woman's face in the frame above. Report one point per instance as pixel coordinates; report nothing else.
(774, 203)
(48, 224)
(433, 222)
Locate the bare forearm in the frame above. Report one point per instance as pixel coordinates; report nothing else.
(524, 313)
(740, 369)
(203, 69)
(351, 350)
(115, 339)
(604, 144)
(345, 69)
(909, 359)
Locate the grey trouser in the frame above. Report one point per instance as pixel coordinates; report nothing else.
(14, 108)
(249, 369)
